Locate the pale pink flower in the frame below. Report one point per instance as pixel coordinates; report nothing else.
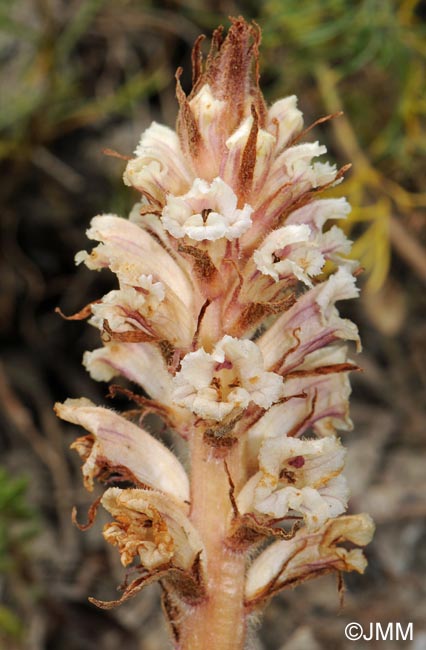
(224, 323)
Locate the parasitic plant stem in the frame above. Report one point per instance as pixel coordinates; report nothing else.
(218, 621)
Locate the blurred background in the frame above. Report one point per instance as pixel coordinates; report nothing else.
(80, 76)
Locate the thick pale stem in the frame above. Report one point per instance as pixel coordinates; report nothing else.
(219, 622)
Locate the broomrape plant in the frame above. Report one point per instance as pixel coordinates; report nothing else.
(226, 323)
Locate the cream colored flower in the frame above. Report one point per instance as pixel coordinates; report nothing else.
(129, 305)
(208, 112)
(207, 109)
(213, 385)
(286, 563)
(224, 236)
(313, 322)
(296, 165)
(141, 363)
(316, 213)
(289, 252)
(297, 475)
(285, 120)
(133, 253)
(300, 249)
(312, 398)
(159, 166)
(130, 252)
(208, 211)
(121, 444)
(314, 506)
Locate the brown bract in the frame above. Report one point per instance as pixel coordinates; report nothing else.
(230, 70)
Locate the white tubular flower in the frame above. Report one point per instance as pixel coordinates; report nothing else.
(297, 475)
(141, 363)
(208, 112)
(311, 323)
(316, 213)
(129, 305)
(339, 286)
(208, 211)
(151, 526)
(291, 173)
(159, 166)
(310, 399)
(118, 443)
(206, 108)
(288, 562)
(131, 252)
(333, 242)
(285, 120)
(214, 385)
(297, 162)
(288, 251)
(294, 250)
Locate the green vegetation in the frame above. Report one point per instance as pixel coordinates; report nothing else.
(17, 519)
(17, 528)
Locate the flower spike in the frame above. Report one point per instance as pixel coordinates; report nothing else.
(224, 322)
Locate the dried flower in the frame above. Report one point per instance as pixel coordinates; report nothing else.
(289, 562)
(225, 323)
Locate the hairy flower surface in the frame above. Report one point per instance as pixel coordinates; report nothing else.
(119, 443)
(289, 562)
(214, 385)
(224, 324)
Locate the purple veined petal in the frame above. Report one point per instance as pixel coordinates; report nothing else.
(124, 444)
(141, 363)
(318, 401)
(311, 323)
(288, 562)
(130, 250)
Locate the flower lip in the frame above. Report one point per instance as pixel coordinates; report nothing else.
(297, 475)
(290, 251)
(214, 385)
(208, 211)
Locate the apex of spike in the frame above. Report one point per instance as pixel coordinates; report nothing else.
(225, 92)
